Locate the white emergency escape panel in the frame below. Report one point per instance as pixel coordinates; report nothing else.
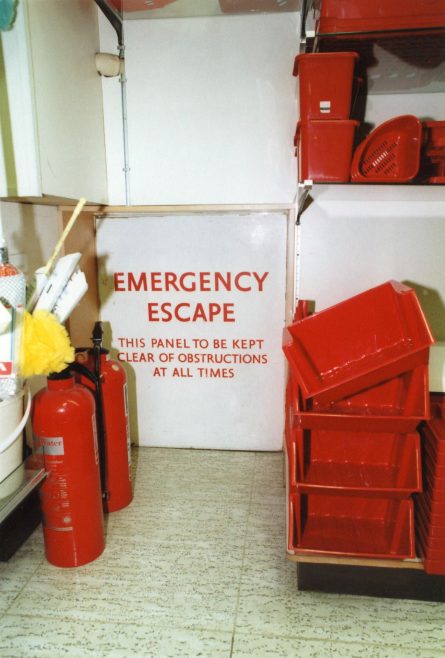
(196, 308)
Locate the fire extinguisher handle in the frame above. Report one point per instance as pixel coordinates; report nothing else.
(83, 370)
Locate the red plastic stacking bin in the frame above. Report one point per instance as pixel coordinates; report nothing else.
(396, 405)
(434, 134)
(379, 464)
(434, 150)
(368, 15)
(325, 84)
(359, 342)
(352, 526)
(390, 153)
(324, 150)
(434, 523)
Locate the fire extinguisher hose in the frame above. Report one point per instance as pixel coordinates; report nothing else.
(83, 370)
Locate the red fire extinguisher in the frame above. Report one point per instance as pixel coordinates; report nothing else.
(113, 398)
(65, 440)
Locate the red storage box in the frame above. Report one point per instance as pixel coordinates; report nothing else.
(433, 464)
(435, 505)
(434, 523)
(325, 84)
(376, 15)
(359, 342)
(434, 135)
(324, 150)
(379, 464)
(397, 405)
(390, 153)
(433, 431)
(433, 534)
(352, 526)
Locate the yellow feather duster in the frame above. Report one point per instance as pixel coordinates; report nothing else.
(45, 345)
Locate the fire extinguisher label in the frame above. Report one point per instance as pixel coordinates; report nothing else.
(55, 501)
(96, 445)
(49, 445)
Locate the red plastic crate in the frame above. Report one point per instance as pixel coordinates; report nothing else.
(434, 134)
(434, 535)
(433, 431)
(358, 343)
(434, 522)
(390, 153)
(352, 526)
(379, 464)
(377, 15)
(324, 150)
(325, 84)
(433, 464)
(433, 550)
(436, 506)
(396, 405)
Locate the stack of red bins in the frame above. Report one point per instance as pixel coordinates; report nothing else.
(358, 389)
(324, 137)
(430, 505)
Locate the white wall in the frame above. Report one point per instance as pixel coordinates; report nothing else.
(211, 107)
(353, 238)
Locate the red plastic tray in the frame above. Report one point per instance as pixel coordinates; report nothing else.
(390, 153)
(434, 134)
(435, 506)
(397, 405)
(433, 433)
(434, 567)
(325, 84)
(359, 463)
(324, 150)
(434, 465)
(429, 520)
(369, 15)
(432, 552)
(434, 535)
(359, 343)
(433, 485)
(353, 526)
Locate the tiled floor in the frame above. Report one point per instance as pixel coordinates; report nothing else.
(196, 567)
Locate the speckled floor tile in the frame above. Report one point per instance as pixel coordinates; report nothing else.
(246, 646)
(188, 586)
(204, 475)
(40, 637)
(183, 520)
(200, 553)
(343, 650)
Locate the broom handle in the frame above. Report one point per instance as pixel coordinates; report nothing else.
(68, 227)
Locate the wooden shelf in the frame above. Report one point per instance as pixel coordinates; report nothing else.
(415, 564)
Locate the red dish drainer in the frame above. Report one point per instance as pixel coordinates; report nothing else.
(353, 452)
